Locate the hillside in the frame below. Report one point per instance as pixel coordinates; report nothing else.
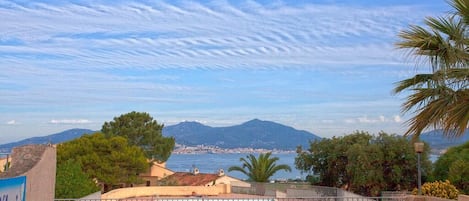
(53, 139)
(438, 142)
(252, 134)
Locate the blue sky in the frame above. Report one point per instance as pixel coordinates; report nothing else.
(327, 66)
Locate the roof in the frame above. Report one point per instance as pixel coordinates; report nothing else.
(24, 158)
(190, 179)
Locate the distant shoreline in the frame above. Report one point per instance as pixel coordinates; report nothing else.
(201, 149)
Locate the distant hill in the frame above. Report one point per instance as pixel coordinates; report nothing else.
(437, 141)
(252, 134)
(54, 139)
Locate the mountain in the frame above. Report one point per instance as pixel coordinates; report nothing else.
(54, 138)
(252, 134)
(437, 141)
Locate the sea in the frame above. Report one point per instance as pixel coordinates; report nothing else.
(212, 163)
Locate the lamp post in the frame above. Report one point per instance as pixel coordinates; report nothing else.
(418, 146)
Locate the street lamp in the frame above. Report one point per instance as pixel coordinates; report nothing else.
(418, 146)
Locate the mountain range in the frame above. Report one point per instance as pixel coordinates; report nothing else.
(437, 141)
(52, 139)
(251, 134)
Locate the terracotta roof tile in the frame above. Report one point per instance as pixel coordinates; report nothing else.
(190, 179)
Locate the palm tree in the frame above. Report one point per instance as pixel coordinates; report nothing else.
(440, 99)
(259, 169)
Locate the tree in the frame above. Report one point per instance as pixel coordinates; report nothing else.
(260, 169)
(454, 166)
(140, 129)
(72, 182)
(111, 161)
(363, 163)
(440, 98)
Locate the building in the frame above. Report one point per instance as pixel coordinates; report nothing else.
(195, 178)
(156, 172)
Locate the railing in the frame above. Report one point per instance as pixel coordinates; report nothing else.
(249, 199)
(293, 190)
(344, 199)
(174, 199)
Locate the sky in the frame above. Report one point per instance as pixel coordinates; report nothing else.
(324, 66)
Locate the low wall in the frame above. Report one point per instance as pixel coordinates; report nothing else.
(181, 191)
(425, 198)
(93, 196)
(463, 198)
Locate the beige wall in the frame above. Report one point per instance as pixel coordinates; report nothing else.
(40, 180)
(425, 198)
(463, 198)
(166, 191)
(156, 172)
(159, 171)
(227, 180)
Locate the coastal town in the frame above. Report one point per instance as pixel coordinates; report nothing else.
(203, 149)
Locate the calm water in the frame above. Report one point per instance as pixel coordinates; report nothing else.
(211, 163)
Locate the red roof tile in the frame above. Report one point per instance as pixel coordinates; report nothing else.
(190, 179)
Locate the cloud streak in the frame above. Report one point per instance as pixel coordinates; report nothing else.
(195, 35)
(70, 121)
(310, 65)
(12, 122)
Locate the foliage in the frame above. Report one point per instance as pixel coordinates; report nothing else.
(140, 129)
(72, 182)
(439, 99)
(439, 189)
(454, 166)
(363, 163)
(109, 160)
(6, 166)
(259, 169)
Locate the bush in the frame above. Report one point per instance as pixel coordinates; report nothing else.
(439, 189)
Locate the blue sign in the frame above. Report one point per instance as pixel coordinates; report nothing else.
(13, 189)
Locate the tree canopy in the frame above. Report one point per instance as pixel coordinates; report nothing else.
(259, 169)
(111, 161)
(363, 163)
(140, 129)
(454, 166)
(439, 99)
(72, 182)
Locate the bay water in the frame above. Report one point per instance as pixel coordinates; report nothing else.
(212, 163)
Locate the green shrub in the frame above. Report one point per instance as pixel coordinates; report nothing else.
(439, 189)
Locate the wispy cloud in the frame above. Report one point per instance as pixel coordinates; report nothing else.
(70, 121)
(307, 64)
(397, 119)
(373, 120)
(12, 122)
(196, 35)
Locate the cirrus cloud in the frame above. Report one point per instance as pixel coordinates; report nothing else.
(70, 121)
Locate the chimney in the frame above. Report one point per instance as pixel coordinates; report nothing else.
(195, 171)
(221, 172)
